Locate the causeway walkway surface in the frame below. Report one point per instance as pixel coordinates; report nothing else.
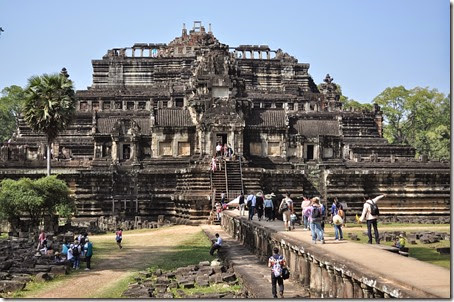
(256, 275)
(396, 268)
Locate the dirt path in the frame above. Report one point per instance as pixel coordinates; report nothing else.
(138, 250)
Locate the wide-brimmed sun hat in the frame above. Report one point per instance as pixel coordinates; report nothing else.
(260, 194)
(268, 196)
(273, 195)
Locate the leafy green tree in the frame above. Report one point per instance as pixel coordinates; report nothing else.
(49, 105)
(35, 199)
(11, 103)
(419, 117)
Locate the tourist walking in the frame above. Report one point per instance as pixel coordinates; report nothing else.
(269, 207)
(218, 208)
(41, 240)
(276, 263)
(304, 204)
(314, 213)
(217, 243)
(88, 247)
(370, 213)
(241, 203)
(119, 237)
(222, 198)
(259, 205)
(337, 218)
(251, 201)
(286, 208)
(213, 164)
(76, 250)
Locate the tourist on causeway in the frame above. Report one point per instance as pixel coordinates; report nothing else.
(370, 213)
(277, 263)
(286, 208)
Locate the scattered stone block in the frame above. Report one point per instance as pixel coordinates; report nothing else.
(43, 276)
(187, 285)
(11, 286)
(204, 263)
(228, 277)
(59, 270)
(444, 250)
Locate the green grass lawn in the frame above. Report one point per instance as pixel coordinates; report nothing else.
(424, 252)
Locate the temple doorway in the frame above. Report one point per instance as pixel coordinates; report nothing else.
(221, 138)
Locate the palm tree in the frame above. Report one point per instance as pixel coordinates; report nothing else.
(50, 105)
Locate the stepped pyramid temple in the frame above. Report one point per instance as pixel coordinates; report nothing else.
(146, 130)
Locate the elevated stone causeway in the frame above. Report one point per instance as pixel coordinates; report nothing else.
(340, 269)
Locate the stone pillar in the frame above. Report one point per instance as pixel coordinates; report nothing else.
(357, 290)
(305, 276)
(367, 291)
(268, 55)
(325, 278)
(244, 54)
(339, 284)
(331, 282)
(316, 277)
(115, 152)
(134, 148)
(260, 54)
(348, 286)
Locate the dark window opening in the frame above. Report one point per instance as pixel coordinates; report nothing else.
(130, 105)
(279, 105)
(267, 105)
(179, 102)
(310, 152)
(106, 105)
(256, 104)
(290, 106)
(126, 151)
(142, 105)
(164, 104)
(118, 105)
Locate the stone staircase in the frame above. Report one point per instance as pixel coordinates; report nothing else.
(234, 179)
(219, 182)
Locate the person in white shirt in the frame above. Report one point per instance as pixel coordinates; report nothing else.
(216, 245)
(371, 219)
(218, 149)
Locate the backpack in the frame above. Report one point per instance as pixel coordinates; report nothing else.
(316, 213)
(374, 209)
(249, 203)
(277, 268)
(75, 250)
(283, 207)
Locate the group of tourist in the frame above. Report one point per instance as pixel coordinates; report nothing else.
(258, 204)
(81, 248)
(222, 151)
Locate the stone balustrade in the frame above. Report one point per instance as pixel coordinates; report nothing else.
(327, 275)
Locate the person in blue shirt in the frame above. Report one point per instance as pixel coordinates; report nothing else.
(216, 245)
(64, 249)
(88, 247)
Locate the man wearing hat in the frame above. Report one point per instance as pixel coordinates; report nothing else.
(250, 201)
(269, 208)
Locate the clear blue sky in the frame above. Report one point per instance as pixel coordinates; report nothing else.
(365, 45)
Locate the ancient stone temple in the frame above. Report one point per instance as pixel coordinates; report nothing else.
(147, 128)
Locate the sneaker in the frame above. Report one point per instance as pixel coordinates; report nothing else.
(87, 269)
(314, 242)
(323, 241)
(337, 239)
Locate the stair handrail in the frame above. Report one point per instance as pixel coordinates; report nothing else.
(226, 180)
(241, 175)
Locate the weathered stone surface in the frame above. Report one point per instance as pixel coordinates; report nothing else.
(228, 277)
(11, 286)
(59, 269)
(44, 277)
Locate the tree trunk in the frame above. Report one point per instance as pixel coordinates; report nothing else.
(48, 158)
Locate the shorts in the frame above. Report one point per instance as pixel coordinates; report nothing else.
(286, 216)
